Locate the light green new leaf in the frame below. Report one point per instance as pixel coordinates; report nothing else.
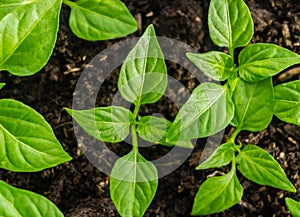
(294, 206)
(27, 34)
(27, 142)
(2, 85)
(208, 110)
(133, 183)
(253, 105)
(108, 124)
(217, 194)
(214, 64)
(143, 76)
(260, 167)
(222, 156)
(230, 23)
(259, 61)
(287, 102)
(16, 202)
(154, 129)
(100, 19)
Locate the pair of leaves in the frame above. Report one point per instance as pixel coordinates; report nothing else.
(17, 202)
(28, 29)
(219, 193)
(155, 129)
(256, 62)
(208, 110)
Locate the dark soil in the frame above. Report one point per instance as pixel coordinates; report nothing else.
(79, 189)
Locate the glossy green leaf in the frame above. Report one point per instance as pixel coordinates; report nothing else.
(133, 183)
(230, 23)
(214, 64)
(259, 61)
(16, 202)
(253, 105)
(143, 76)
(27, 142)
(208, 110)
(217, 194)
(2, 85)
(108, 124)
(260, 167)
(287, 102)
(154, 129)
(294, 206)
(100, 19)
(222, 156)
(28, 34)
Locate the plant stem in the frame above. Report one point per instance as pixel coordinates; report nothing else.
(231, 52)
(234, 135)
(133, 129)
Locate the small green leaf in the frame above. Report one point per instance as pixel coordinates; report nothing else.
(154, 129)
(100, 19)
(287, 102)
(260, 167)
(253, 105)
(217, 194)
(16, 202)
(208, 110)
(133, 183)
(222, 156)
(294, 206)
(230, 23)
(108, 124)
(27, 142)
(143, 76)
(260, 61)
(2, 85)
(28, 34)
(214, 64)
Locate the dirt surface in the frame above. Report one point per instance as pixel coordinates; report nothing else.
(79, 189)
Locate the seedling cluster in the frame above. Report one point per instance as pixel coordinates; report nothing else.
(242, 95)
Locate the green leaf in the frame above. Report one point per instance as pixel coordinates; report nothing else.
(216, 65)
(222, 156)
(217, 194)
(253, 105)
(108, 124)
(294, 206)
(143, 76)
(230, 23)
(260, 167)
(2, 85)
(100, 19)
(16, 202)
(287, 102)
(260, 61)
(154, 129)
(27, 142)
(28, 34)
(208, 110)
(133, 183)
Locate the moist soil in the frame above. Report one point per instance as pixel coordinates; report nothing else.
(80, 189)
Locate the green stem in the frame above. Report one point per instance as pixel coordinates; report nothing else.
(133, 129)
(234, 135)
(231, 52)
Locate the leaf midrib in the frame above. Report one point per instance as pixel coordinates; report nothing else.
(27, 33)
